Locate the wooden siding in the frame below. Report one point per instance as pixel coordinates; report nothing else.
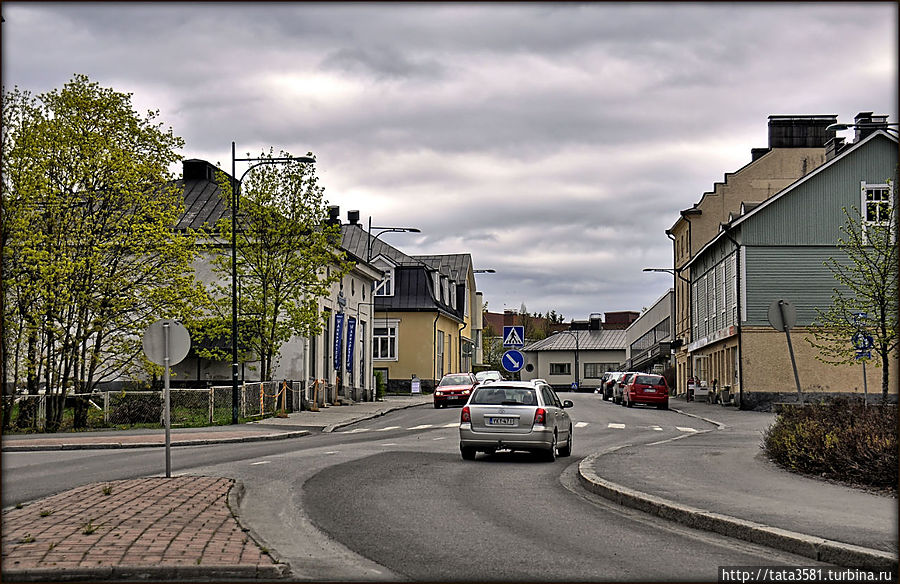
(796, 274)
(811, 213)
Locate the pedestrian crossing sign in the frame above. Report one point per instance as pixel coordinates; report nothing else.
(514, 336)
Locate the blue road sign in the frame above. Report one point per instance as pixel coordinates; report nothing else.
(514, 336)
(513, 360)
(862, 341)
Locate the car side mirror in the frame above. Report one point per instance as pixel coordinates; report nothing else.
(568, 404)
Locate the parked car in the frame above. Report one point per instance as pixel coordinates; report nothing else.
(619, 387)
(647, 388)
(516, 415)
(606, 384)
(488, 376)
(454, 388)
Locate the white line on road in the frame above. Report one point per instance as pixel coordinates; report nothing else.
(260, 462)
(441, 438)
(388, 428)
(617, 426)
(453, 425)
(685, 429)
(657, 428)
(356, 430)
(390, 444)
(422, 427)
(581, 424)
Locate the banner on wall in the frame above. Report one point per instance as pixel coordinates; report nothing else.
(351, 342)
(338, 338)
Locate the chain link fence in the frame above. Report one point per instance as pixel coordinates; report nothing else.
(188, 407)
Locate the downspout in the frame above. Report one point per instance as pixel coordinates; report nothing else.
(459, 345)
(726, 230)
(434, 376)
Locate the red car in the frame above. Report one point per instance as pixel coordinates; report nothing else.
(454, 388)
(647, 388)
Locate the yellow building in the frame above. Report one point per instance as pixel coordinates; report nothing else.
(426, 312)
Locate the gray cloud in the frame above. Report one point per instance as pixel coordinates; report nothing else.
(554, 141)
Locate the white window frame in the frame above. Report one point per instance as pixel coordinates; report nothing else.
(865, 188)
(452, 291)
(393, 334)
(388, 279)
(566, 367)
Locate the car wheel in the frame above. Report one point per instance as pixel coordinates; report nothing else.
(567, 449)
(468, 453)
(550, 455)
(436, 405)
(663, 406)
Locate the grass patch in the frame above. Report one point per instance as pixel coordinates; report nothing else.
(841, 440)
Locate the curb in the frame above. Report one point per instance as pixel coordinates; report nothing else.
(816, 548)
(148, 573)
(110, 445)
(233, 500)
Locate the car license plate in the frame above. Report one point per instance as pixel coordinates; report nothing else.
(501, 421)
(650, 390)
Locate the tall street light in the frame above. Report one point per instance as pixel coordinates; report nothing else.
(235, 198)
(369, 241)
(574, 334)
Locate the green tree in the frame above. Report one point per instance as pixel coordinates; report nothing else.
(867, 278)
(287, 260)
(89, 254)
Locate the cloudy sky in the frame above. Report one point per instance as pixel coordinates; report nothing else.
(554, 142)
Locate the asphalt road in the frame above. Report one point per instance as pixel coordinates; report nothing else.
(391, 499)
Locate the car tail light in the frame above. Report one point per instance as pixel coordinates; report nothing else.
(540, 416)
(466, 416)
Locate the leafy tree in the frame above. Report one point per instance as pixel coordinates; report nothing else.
(287, 260)
(89, 254)
(492, 349)
(867, 278)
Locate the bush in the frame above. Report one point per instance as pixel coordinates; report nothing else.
(842, 440)
(135, 408)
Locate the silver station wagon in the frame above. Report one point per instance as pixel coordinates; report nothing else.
(515, 415)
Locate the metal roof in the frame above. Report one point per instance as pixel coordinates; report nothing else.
(602, 340)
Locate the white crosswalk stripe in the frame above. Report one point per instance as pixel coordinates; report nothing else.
(616, 426)
(657, 428)
(685, 429)
(388, 428)
(581, 424)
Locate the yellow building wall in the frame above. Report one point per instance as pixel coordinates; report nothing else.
(767, 366)
(416, 345)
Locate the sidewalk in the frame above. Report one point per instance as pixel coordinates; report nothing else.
(181, 528)
(724, 483)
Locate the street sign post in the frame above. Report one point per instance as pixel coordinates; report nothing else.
(166, 342)
(863, 343)
(513, 360)
(782, 317)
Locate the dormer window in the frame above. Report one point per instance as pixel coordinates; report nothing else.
(386, 286)
(453, 295)
(446, 290)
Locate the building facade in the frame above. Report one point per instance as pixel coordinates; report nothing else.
(648, 341)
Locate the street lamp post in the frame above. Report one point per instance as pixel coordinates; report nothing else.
(235, 198)
(574, 334)
(369, 241)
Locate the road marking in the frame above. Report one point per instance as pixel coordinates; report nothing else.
(390, 444)
(356, 430)
(685, 429)
(388, 428)
(657, 428)
(616, 426)
(441, 438)
(581, 424)
(453, 425)
(333, 452)
(260, 462)
(422, 427)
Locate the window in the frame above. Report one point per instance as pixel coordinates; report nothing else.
(384, 342)
(439, 358)
(595, 370)
(466, 299)
(386, 286)
(452, 291)
(876, 206)
(560, 369)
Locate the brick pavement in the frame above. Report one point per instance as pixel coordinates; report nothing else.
(149, 527)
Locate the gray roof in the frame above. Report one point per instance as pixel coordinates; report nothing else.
(602, 340)
(454, 265)
(203, 204)
(355, 238)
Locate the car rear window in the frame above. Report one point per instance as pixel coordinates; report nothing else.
(456, 380)
(507, 396)
(649, 380)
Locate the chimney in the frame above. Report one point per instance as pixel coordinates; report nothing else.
(596, 322)
(353, 217)
(196, 169)
(334, 215)
(800, 131)
(866, 124)
(833, 147)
